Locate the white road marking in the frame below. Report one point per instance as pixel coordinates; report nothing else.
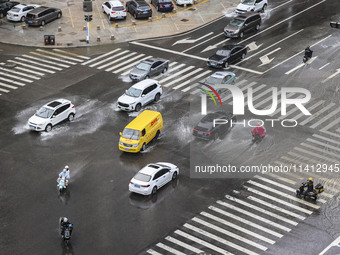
(169, 249)
(333, 123)
(152, 252)
(278, 110)
(176, 74)
(243, 88)
(254, 90)
(183, 77)
(320, 150)
(336, 243)
(324, 119)
(245, 221)
(316, 155)
(72, 54)
(175, 68)
(326, 139)
(8, 86)
(322, 67)
(15, 77)
(265, 100)
(29, 71)
(101, 56)
(11, 81)
(202, 242)
(265, 59)
(323, 144)
(30, 66)
(218, 239)
(124, 62)
(129, 66)
(252, 46)
(109, 58)
(192, 79)
(53, 58)
(295, 68)
(237, 227)
(275, 183)
(260, 95)
(310, 108)
(41, 64)
(252, 214)
(59, 55)
(4, 90)
(290, 112)
(192, 40)
(280, 178)
(280, 5)
(332, 76)
(198, 44)
(20, 73)
(246, 69)
(314, 115)
(111, 63)
(306, 159)
(180, 243)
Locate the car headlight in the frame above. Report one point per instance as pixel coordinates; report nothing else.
(220, 62)
(121, 143)
(237, 31)
(135, 145)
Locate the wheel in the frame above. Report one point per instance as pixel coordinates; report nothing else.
(70, 117)
(157, 97)
(241, 35)
(104, 11)
(216, 136)
(243, 55)
(226, 64)
(164, 70)
(147, 77)
(264, 7)
(257, 27)
(157, 8)
(48, 128)
(154, 190)
(143, 147)
(59, 15)
(174, 176)
(157, 134)
(22, 19)
(138, 107)
(135, 15)
(43, 23)
(109, 17)
(1, 15)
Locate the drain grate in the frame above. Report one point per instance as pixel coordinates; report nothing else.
(184, 20)
(82, 40)
(192, 9)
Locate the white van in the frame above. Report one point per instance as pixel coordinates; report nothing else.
(183, 2)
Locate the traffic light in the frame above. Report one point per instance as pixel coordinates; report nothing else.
(88, 17)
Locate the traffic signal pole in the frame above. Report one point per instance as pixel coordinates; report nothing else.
(88, 18)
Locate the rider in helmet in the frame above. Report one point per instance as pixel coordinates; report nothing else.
(65, 173)
(308, 52)
(259, 131)
(64, 222)
(310, 185)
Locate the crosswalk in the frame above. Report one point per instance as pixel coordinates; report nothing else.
(31, 67)
(250, 220)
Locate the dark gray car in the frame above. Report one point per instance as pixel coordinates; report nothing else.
(149, 67)
(42, 15)
(243, 24)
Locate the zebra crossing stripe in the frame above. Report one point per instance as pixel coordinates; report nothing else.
(323, 144)
(29, 71)
(326, 139)
(279, 103)
(175, 68)
(183, 77)
(281, 178)
(4, 90)
(176, 74)
(314, 115)
(259, 95)
(227, 223)
(124, 62)
(324, 119)
(219, 239)
(265, 100)
(30, 66)
(59, 55)
(11, 81)
(306, 159)
(320, 150)
(129, 66)
(42, 60)
(20, 73)
(101, 56)
(152, 252)
(243, 88)
(180, 243)
(53, 58)
(71, 53)
(193, 79)
(16, 77)
(172, 250)
(279, 201)
(109, 58)
(312, 107)
(275, 183)
(8, 86)
(254, 216)
(264, 229)
(255, 90)
(202, 242)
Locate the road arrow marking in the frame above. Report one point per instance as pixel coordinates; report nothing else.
(252, 46)
(301, 65)
(332, 76)
(214, 46)
(193, 40)
(265, 59)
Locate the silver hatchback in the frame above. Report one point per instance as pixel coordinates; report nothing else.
(148, 68)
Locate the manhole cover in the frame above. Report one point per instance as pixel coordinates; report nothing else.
(82, 40)
(73, 33)
(184, 20)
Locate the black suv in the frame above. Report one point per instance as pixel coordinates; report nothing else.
(42, 15)
(5, 7)
(243, 24)
(139, 9)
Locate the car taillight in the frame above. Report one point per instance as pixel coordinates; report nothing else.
(124, 11)
(160, 86)
(145, 186)
(209, 133)
(15, 15)
(73, 106)
(172, 5)
(36, 20)
(113, 12)
(161, 6)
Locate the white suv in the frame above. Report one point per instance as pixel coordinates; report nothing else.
(139, 95)
(114, 10)
(251, 6)
(51, 114)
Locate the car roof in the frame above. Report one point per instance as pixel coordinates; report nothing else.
(116, 3)
(246, 15)
(53, 104)
(141, 2)
(144, 83)
(40, 9)
(150, 169)
(231, 46)
(221, 74)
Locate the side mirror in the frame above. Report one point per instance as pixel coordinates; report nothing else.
(143, 95)
(120, 133)
(53, 116)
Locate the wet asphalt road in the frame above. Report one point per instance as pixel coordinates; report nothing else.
(107, 218)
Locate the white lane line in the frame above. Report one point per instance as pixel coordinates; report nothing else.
(125, 62)
(152, 252)
(257, 200)
(183, 77)
(43, 61)
(324, 119)
(30, 66)
(243, 88)
(180, 243)
(310, 108)
(218, 239)
(129, 66)
(280, 5)
(8, 86)
(297, 54)
(59, 55)
(320, 150)
(101, 56)
(169, 249)
(15, 77)
(109, 58)
(314, 115)
(4, 90)
(193, 79)
(176, 74)
(11, 81)
(111, 63)
(202, 242)
(246, 69)
(323, 144)
(71, 54)
(53, 58)
(255, 216)
(237, 227)
(283, 194)
(259, 209)
(28, 71)
(332, 76)
(322, 67)
(211, 38)
(20, 73)
(326, 139)
(295, 68)
(264, 229)
(281, 178)
(279, 201)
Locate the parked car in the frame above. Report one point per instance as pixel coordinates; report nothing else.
(114, 10)
(226, 55)
(5, 7)
(163, 5)
(243, 24)
(152, 177)
(139, 9)
(149, 67)
(19, 12)
(51, 114)
(42, 15)
(251, 6)
(206, 129)
(140, 94)
(216, 79)
(183, 2)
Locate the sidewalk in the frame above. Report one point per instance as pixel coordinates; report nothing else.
(72, 24)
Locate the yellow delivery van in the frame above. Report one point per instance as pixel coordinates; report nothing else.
(139, 132)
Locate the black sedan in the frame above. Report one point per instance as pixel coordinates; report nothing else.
(139, 9)
(5, 7)
(214, 125)
(226, 55)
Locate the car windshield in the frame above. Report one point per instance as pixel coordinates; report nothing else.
(236, 22)
(223, 53)
(214, 80)
(132, 92)
(118, 8)
(143, 66)
(164, 1)
(248, 2)
(44, 112)
(131, 134)
(15, 9)
(142, 177)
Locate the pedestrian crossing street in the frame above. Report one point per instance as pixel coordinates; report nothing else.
(27, 68)
(250, 221)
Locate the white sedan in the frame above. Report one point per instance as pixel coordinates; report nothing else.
(251, 6)
(152, 177)
(19, 12)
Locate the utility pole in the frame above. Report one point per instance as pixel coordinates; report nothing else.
(88, 18)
